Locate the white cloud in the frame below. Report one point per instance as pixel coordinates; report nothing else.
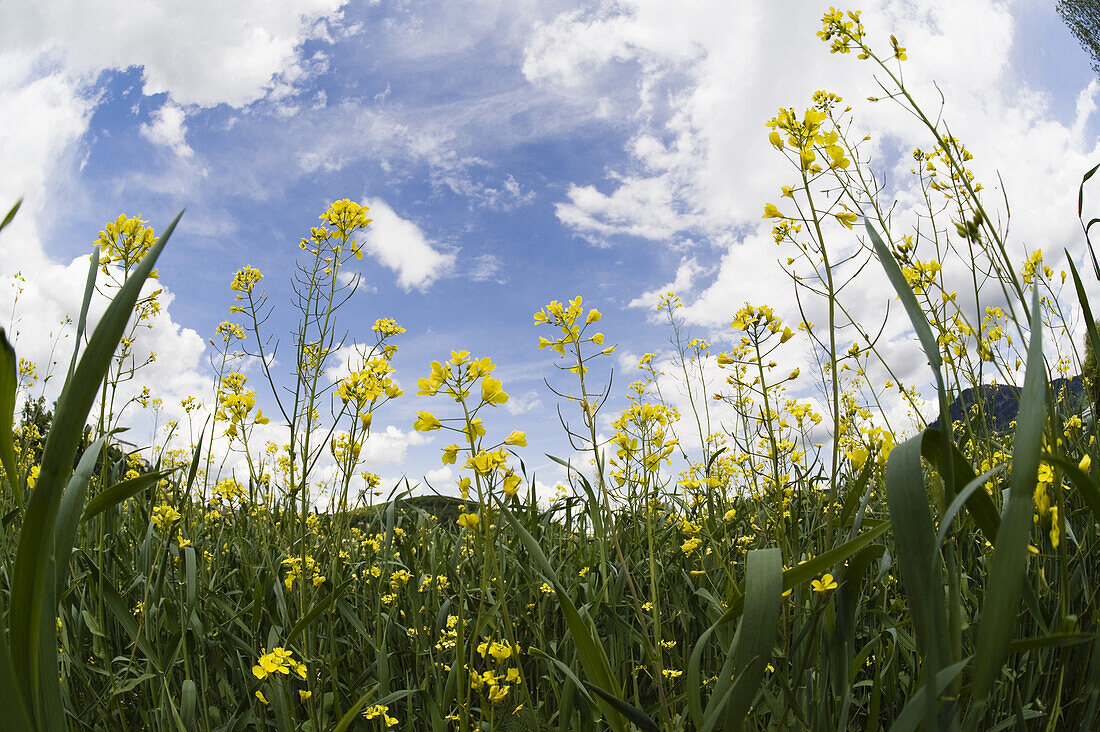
(682, 284)
(201, 52)
(699, 161)
(400, 245)
(168, 129)
(388, 446)
(523, 403)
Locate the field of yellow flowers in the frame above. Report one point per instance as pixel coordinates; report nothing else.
(932, 578)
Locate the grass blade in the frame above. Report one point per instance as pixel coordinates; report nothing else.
(921, 571)
(11, 214)
(8, 384)
(122, 490)
(910, 716)
(68, 513)
(590, 651)
(1009, 565)
(36, 541)
(82, 321)
(752, 646)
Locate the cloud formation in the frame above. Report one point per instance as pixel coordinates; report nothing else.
(402, 246)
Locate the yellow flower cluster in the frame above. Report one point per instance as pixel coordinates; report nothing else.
(643, 438)
(367, 386)
(164, 516)
(844, 32)
(381, 713)
(279, 661)
(387, 327)
(568, 319)
(804, 137)
(245, 279)
(235, 403)
(302, 567)
(229, 490)
(492, 683)
(124, 242)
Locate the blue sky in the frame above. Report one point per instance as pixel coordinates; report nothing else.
(512, 152)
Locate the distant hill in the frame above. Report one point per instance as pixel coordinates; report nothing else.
(1001, 404)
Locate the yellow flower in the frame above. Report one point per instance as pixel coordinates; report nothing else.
(1086, 461)
(492, 391)
(691, 545)
(304, 694)
(517, 438)
(380, 712)
(847, 218)
(825, 584)
(260, 696)
(245, 279)
(426, 422)
(163, 518)
(467, 520)
(771, 212)
(511, 485)
(450, 454)
(593, 316)
(280, 661)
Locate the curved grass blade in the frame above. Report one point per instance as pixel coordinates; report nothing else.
(36, 541)
(752, 646)
(1080, 209)
(636, 716)
(16, 716)
(122, 490)
(1090, 321)
(8, 384)
(1081, 481)
(921, 571)
(316, 610)
(590, 651)
(910, 716)
(82, 321)
(68, 513)
(11, 214)
(962, 497)
(979, 505)
(909, 301)
(1009, 565)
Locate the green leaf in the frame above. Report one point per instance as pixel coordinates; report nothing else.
(16, 715)
(122, 490)
(911, 713)
(316, 610)
(1085, 486)
(1080, 209)
(909, 301)
(1009, 564)
(68, 513)
(748, 656)
(639, 718)
(919, 560)
(35, 555)
(963, 497)
(8, 384)
(82, 321)
(11, 214)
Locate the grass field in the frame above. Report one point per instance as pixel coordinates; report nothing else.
(806, 564)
